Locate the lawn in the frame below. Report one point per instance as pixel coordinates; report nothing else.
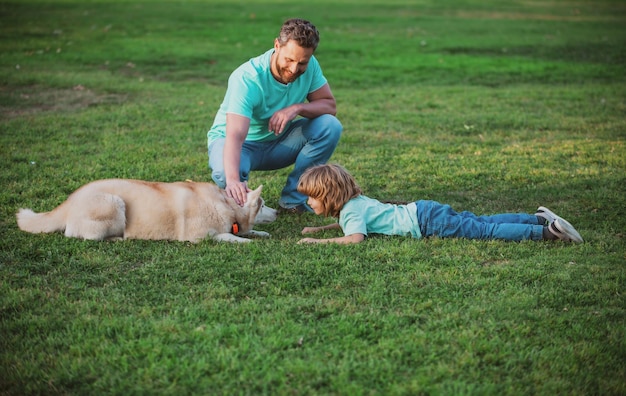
(489, 106)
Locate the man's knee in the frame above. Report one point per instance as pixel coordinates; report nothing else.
(333, 123)
(218, 178)
(330, 127)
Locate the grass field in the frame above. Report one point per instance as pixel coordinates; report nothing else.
(489, 106)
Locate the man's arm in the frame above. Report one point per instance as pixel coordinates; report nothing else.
(318, 102)
(236, 131)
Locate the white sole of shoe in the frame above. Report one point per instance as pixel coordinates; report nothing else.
(567, 230)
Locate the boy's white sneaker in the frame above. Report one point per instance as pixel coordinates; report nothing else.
(563, 230)
(558, 226)
(546, 214)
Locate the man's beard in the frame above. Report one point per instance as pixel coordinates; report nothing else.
(284, 75)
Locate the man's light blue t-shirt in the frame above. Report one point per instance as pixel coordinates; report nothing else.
(363, 215)
(254, 93)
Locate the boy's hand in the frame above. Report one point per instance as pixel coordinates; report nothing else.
(310, 230)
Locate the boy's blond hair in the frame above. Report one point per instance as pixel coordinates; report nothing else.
(331, 184)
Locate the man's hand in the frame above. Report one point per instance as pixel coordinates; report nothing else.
(281, 118)
(319, 102)
(238, 191)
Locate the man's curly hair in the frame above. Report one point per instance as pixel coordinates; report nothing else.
(300, 30)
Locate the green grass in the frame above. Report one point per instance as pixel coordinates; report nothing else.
(489, 106)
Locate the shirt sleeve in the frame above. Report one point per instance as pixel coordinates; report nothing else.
(318, 79)
(241, 93)
(351, 221)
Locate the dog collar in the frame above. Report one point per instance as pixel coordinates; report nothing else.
(235, 229)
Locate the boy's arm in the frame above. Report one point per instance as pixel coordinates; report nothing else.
(347, 239)
(310, 230)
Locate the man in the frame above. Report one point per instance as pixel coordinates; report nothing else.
(278, 110)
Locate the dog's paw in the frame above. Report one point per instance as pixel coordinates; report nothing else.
(261, 234)
(226, 237)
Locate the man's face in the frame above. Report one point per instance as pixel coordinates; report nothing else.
(290, 61)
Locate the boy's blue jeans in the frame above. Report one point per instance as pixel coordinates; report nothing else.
(440, 220)
(307, 142)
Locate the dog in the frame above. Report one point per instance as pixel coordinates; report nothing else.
(115, 209)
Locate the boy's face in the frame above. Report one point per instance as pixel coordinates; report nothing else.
(316, 205)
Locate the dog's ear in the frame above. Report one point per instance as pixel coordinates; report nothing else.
(253, 196)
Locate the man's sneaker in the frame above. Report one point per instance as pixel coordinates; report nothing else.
(563, 230)
(546, 214)
(298, 209)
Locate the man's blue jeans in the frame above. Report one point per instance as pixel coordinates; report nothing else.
(440, 220)
(307, 142)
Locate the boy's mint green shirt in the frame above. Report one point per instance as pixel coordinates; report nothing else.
(254, 93)
(363, 215)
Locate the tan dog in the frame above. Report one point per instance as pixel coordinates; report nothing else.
(135, 209)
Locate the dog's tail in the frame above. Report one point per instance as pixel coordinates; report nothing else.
(36, 223)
